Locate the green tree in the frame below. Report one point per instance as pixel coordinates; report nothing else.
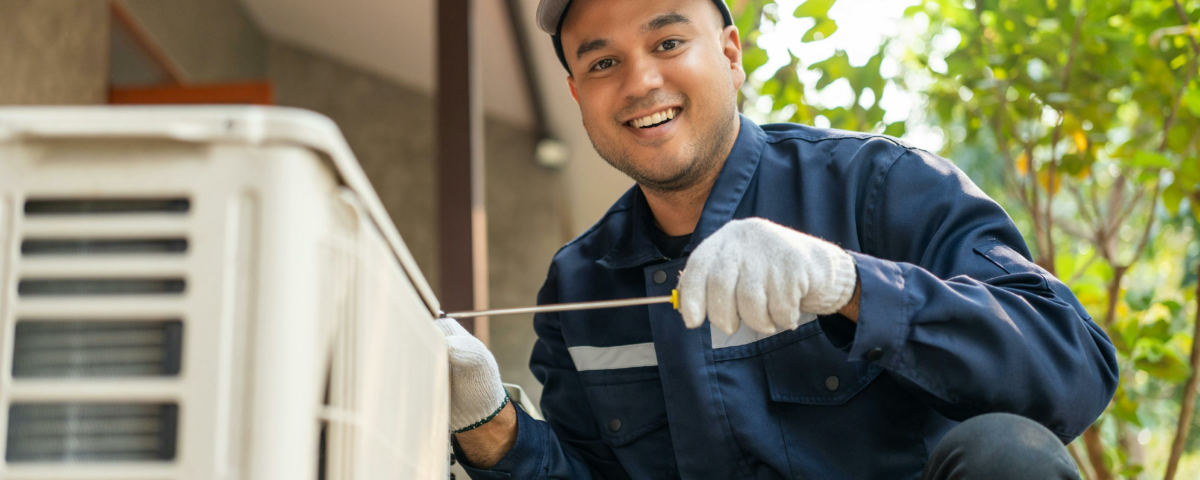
(1081, 118)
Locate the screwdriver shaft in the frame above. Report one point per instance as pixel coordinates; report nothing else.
(562, 307)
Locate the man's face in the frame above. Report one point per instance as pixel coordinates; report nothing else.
(656, 83)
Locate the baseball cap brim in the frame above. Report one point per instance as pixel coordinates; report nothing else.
(550, 14)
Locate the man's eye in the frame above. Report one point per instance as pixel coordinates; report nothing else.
(603, 64)
(669, 44)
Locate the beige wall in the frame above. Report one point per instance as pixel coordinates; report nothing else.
(210, 40)
(525, 228)
(53, 52)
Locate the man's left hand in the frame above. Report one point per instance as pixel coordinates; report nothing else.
(765, 275)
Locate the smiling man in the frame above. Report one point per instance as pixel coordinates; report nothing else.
(851, 307)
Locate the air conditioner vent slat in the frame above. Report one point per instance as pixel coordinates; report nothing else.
(91, 432)
(100, 286)
(105, 206)
(91, 246)
(75, 349)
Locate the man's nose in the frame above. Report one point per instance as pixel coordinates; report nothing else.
(642, 76)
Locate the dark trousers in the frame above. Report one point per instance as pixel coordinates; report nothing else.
(1000, 446)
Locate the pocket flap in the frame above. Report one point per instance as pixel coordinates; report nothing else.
(627, 411)
(812, 371)
(1005, 257)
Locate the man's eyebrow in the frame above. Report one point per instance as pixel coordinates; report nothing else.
(589, 46)
(663, 21)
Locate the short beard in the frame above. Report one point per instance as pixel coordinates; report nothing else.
(707, 149)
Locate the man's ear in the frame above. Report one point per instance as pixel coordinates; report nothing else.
(731, 47)
(575, 93)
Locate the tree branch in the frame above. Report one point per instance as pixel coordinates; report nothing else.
(1073, 449)
(1189, 74)
(1183, 427)
(1053, 169)
(1129, 207)
(1083, 206)
(1145, 240)
(1189, 397)
(1095, 453)
(1114, 292)
(1082, 269)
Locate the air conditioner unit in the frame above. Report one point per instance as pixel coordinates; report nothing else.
(207, 293)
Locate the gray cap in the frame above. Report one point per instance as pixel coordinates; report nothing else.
(550, 14)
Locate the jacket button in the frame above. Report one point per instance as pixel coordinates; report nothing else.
(614, 425)
(831, 383)
(660, 277)
(874, 354)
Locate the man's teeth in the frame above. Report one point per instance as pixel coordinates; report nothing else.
(652, 119)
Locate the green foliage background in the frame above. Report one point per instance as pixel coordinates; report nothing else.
(1082, 118)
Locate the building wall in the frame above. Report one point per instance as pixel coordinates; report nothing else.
(53, 52)
(210, 40)
(526, 227)
(390, 129)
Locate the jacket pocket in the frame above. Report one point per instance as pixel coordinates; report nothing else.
(814, 372)
(831, 409)
(631, 416)
(627, 411)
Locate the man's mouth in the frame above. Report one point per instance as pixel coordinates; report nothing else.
(655, 119)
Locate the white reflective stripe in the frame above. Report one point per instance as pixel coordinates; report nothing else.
(745, 335)
(608, 358)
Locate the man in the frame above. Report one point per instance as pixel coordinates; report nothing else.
(938, 350)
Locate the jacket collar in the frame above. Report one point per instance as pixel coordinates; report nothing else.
(635, 247)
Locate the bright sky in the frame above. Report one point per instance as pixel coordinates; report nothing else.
(863, 25)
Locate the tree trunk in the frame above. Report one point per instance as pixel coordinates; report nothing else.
(1189, 396)
(1129, 443)
(1095, 452)
(1114, 290)
(1084, 468)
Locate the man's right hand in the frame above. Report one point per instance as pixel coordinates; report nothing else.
(477, 398)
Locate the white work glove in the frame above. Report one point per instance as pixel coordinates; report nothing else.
(764, 274)
(476, 394)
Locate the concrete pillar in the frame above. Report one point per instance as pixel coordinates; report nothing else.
(55, 52)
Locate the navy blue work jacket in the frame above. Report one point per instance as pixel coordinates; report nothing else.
(954, 321)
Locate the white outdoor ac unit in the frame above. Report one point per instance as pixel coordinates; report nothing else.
(207, 293)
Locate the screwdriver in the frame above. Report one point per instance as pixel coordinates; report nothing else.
(673, 299)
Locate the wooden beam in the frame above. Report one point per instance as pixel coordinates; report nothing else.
(125, 19)
(516, 21)
(462, 223)
(256, 93)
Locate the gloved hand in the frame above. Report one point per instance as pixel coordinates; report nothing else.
(764, 274)
(476, 394)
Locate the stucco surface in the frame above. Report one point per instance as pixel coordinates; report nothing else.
(55, 52)
(210, 40)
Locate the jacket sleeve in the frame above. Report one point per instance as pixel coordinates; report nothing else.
(567, 444)
(961, 315)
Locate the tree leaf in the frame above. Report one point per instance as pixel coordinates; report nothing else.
(1192, 100)
(1172, 196)
(1159, 330)
(1148, 159)
(832, 68)
(1168, 366)
(822, 30)
(818, 9)
(753, 59)
(1187, 176)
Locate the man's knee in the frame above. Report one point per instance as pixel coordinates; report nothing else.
(1000, 446)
